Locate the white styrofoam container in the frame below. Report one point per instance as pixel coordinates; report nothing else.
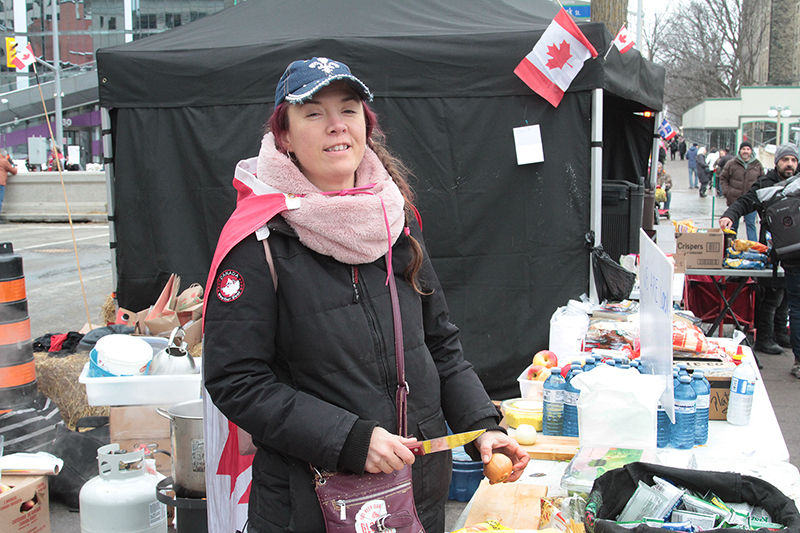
(141, 390)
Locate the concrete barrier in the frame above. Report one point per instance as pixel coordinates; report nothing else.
(39, 197)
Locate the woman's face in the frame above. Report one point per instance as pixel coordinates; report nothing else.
(328, 135)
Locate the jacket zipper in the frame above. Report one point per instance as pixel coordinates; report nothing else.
(354, 278)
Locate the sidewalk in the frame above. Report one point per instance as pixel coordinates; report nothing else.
(783, 388)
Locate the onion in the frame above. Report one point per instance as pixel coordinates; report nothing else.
(499, 468)
(525, 434)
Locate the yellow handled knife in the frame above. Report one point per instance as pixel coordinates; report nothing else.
(444, 443)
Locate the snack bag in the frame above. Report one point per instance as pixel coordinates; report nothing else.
(745, 245)
(489, 525)
(688, 338)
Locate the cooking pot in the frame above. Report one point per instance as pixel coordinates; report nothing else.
(188, 448)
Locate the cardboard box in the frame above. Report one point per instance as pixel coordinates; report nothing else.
(141, 425)
(719, 376)
(24, 490)
(700, 250)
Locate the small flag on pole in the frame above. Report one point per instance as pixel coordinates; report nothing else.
(624, 40)
(24, 57)
(666, 131)
(556, 59)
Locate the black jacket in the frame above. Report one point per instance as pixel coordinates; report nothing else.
(749, 202)
(310, 370)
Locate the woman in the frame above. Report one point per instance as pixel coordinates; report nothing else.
(308, 367)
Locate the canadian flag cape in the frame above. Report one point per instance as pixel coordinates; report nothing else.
(228, 473)
(556, 59)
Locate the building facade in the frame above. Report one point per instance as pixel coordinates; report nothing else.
(83, 27)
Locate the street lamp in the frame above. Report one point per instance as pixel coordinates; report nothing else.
(776, 112)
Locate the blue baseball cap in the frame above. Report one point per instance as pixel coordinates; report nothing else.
(305, 77)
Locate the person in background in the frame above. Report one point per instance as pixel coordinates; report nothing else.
(711, 161)
(768, 317)
(51, 161)
(662, 153)
(738, 175)
(6, 167)
(664, 181)
(307, 366)
(673, 148)
(703, 172)
(690, 158)
(682, 148)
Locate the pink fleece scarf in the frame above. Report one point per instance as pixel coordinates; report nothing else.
(350, 228)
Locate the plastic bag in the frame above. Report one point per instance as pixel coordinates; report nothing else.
(568, 327)
(612, 280)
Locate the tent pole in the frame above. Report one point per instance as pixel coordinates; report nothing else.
(108, 165)
(596, 211)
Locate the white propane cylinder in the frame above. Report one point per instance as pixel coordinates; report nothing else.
(122, 499)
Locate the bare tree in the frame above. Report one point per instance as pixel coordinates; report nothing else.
(710, 49)
(653, 35)
(612, 13)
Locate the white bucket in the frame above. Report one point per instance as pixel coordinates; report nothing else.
(123, 355)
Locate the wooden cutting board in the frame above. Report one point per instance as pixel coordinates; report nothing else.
(517, 505)
(553, 448)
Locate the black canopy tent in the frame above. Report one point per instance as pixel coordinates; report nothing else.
(507, 241)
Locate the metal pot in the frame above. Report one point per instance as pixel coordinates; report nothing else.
(188, 448)
(172, 359)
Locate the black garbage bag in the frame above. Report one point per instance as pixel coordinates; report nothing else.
(614, 282)
(612, 490)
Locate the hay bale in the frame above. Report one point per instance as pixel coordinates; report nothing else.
(57, 378)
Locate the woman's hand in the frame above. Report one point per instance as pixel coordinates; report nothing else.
(387, 452)
(498, 442)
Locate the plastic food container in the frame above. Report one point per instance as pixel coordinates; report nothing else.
(523, 411)
(141, 390)
(122, 355)
(528, 388)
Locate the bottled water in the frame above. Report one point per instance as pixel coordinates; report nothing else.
(664, 427)
(553, 413)
(682, 436)
(703, 389)
(682, 369)
(743, 385)
(571, 395)
(590, 364)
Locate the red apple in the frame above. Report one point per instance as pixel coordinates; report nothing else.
(545, 358)
(565, 370)
(537, 373)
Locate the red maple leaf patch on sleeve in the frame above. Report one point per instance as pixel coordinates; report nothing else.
(560, 55)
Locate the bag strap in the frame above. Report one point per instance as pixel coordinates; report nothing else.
(401, 398)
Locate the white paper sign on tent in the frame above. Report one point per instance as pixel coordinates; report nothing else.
(655, 315)
(528, 141)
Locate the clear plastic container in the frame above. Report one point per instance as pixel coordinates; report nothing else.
(523, 411)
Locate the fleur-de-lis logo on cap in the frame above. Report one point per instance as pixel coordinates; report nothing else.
(325, 65)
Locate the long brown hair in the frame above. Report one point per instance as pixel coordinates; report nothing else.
(278, 124)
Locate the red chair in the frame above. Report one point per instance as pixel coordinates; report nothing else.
(702, 297)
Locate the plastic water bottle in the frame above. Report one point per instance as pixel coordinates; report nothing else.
(571, 395)
(664, 427)
(682, 436)
(743, 385)
(553, 413)
(682, 369)
(703, 389)
(590, 364)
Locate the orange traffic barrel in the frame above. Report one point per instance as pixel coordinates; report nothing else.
(17, 369)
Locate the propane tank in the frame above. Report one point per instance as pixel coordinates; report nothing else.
(122, 499)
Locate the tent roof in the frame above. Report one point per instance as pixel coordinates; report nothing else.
(414, 48)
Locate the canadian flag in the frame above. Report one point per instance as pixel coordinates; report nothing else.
(556, 59)
(624, 40)
(24, 57)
